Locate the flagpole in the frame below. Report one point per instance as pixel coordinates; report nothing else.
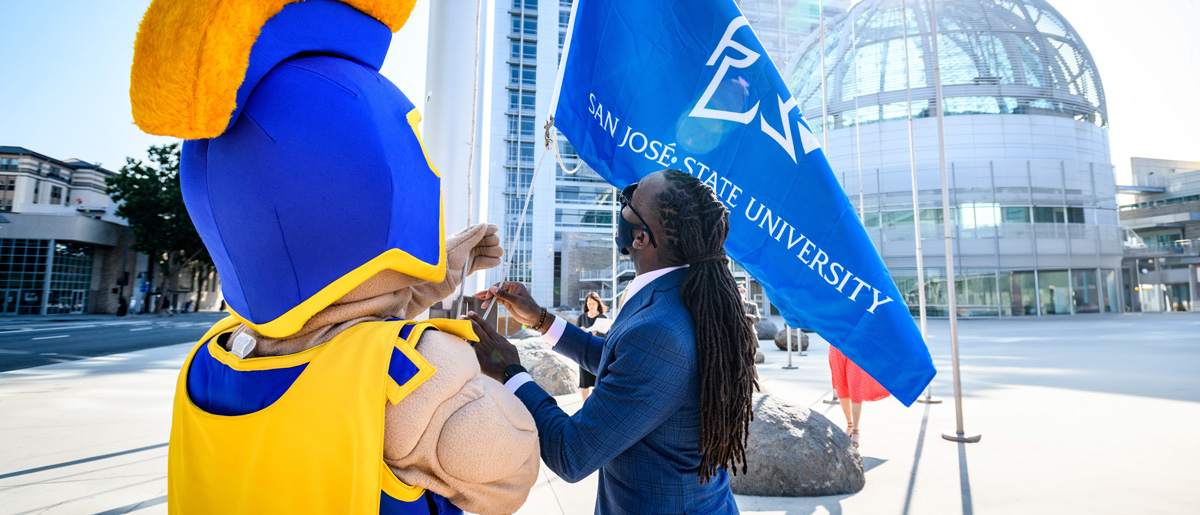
(912, 168)
(857, 131)
(959, 434)
(616, 212)
(824, 132)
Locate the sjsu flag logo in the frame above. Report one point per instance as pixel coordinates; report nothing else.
(687, 85)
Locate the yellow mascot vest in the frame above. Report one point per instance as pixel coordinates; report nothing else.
(317, 444)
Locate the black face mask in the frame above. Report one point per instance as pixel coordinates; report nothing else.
(625, 228)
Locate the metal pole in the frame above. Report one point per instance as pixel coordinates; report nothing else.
(959, 435)
(824, 126)
(788, 332)
(857, 131)
(616, 207)
(912, 167)
(824, 99)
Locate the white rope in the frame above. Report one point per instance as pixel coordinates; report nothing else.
(524, 209)
(462, 285)
(554, 141)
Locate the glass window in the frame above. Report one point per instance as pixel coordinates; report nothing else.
(584, 217)
(56, 195)
(1016, 215)
(9, 164)
(1085, 292)
(523, 50)
(1075, 215)
(522, 75)
(897, 218)
(524, 26)
(1055, 292)
(520, 153)
(1049, 215)
(975, 293)
(521, 101)
(520, 128)
(1111, 301)
(1023, 293)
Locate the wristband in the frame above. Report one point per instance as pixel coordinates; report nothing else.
(541, 321)
(511, 371)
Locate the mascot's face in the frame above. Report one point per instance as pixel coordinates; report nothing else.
(320, 179)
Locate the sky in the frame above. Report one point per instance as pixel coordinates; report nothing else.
(65, 85)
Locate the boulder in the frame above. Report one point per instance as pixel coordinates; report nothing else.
(795, 452)
(798, 337)
(766, 329)
(552, 371)
(524, 333)
(759, 357)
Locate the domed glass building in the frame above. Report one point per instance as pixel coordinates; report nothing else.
(1031, 181)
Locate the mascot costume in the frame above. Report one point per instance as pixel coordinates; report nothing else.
(306, 178)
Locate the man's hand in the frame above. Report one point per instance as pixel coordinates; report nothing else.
(494, 352)
(516, 299)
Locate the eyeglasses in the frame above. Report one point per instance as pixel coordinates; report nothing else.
(627, 201)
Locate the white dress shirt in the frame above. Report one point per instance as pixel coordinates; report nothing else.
(559, 325)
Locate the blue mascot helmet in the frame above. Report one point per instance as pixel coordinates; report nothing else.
(320, 179)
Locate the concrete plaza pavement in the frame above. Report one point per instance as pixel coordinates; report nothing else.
(1084, 414)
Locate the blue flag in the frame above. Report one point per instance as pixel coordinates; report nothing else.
(687, 85)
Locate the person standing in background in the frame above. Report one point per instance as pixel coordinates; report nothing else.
(853, 387)
(593, 309)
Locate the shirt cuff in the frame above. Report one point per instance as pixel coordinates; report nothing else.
(555, 331)
(518, 381)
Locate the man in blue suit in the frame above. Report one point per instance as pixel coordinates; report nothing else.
(674, 378)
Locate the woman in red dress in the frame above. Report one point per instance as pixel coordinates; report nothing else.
(853, 386)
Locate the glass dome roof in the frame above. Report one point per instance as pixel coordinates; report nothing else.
(997, 57)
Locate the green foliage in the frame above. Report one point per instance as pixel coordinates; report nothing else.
(149, 197)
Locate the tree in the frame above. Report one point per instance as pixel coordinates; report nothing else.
(148, 195)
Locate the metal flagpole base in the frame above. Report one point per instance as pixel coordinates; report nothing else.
(789, 367)
(959, 437)
(930, 400)
(834, 400)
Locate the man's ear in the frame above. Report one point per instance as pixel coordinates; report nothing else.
(641, 239)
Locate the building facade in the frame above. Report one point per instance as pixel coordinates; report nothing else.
(63, 250)
(61, 247)
(1031, 183)
(1162, 220)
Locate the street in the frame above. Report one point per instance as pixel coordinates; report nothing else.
(29, 342)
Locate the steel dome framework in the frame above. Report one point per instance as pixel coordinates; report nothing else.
(997, 57)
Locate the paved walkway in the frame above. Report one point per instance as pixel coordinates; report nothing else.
(1086, 414)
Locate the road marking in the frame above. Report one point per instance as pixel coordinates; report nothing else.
(51, 337)
(51, 328)
(142, 329)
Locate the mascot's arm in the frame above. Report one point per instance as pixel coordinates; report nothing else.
(463, 435)
(477, 246)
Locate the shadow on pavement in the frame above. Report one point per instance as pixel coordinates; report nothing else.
(83, 460)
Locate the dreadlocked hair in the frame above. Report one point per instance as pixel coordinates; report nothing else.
(695, 224)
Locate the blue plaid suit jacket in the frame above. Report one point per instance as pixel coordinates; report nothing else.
(641, 426)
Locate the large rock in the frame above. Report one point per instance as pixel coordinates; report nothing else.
(759, 357)
(524, 333)
(552, 371)
(798, 337)
(766, 329)
(795, 452)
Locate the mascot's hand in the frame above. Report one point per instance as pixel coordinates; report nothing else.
(478, 245)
